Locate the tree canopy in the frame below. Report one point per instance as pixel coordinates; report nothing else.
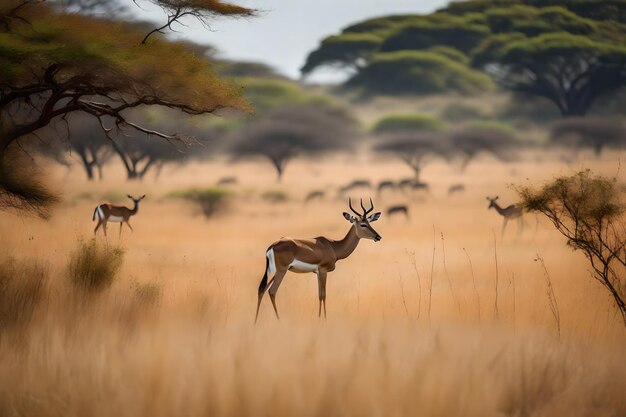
(298, 130)
(568, 52)
(53, 63)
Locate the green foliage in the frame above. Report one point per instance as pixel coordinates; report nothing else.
(209, 199)
(456, 33)
(532, 21)
(345, 50)
(93, 267)
(268, 94)
(493, 126)
(451, 53)
(585, 198)
(418, 72)
(460, 112)
(22, 288)
(407, 122)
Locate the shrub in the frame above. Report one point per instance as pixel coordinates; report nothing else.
(275, 196)
(209, 199)
(408, 121)
(586, 209)
(22, 285)
(94, 267)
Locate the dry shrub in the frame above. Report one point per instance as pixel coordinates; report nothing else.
(22, 286)
(93, 267)
(210, 199)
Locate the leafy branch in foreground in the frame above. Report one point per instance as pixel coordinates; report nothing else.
(586, 209)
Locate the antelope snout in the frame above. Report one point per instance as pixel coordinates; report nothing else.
(377, 238)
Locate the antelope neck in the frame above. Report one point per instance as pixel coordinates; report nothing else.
(499, 209)
(344, 247)
(135, 208)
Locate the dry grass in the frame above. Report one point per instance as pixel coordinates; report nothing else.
(174, 335)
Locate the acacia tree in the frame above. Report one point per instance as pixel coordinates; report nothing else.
(299, 130)
(571, 71)
(479, 138)
(414, 148)
(54, 63)
(595, 133)
(586, 209)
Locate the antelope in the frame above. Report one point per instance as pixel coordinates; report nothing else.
(358, 183)
(318, 255)
(414, 184)
(400, 208)
(110, 213)
(227, 181)
(456, 188)
(385, 184)
(316, 194)
(508, 213)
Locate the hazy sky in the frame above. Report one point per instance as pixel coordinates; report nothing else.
(287, 30)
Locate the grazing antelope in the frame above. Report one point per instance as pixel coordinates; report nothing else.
(227, 181)
(508, 213)
(414, 184)
(385, 184)
(316, 194)
(317, 255)
(109, 213)
(358, 183)
(456, 188)
(400, 208)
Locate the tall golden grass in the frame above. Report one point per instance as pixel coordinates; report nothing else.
(412, 326)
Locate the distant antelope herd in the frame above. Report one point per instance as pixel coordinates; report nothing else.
(318, 255)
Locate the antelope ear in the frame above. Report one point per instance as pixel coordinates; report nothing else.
(374, 217)
(348, 217)
(142, 197)
(129, 196)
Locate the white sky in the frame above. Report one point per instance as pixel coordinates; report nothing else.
(287, 30)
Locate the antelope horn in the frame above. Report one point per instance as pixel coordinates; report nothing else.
(352, 208)
(366, 211)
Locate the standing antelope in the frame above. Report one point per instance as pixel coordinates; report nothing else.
(109, 213)
(317, 255)
(510, 212)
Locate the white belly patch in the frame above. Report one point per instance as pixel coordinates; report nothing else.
(115, 218)
(303, 266)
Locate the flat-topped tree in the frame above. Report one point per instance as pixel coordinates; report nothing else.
(298, 130)
(414, 148)
(55, 63)
(201, 10)
(571, 71)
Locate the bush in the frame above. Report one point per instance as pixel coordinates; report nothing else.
(587, 210)
(459, 112)
(94, 267)
(209, 199)
(22, 286)
(408, 121)
(275, 196)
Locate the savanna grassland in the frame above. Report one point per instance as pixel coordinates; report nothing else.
(443, 317)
